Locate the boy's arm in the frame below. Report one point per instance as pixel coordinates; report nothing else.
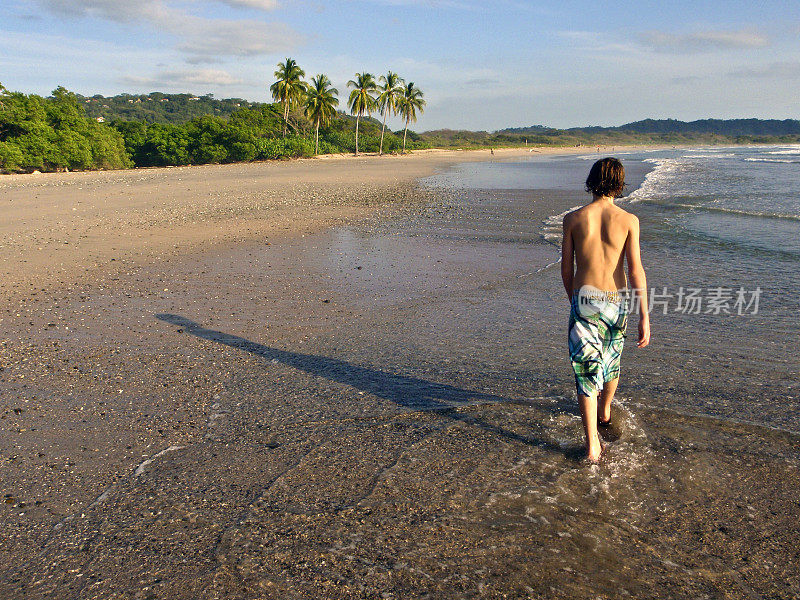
(567, 256)
(638, 281)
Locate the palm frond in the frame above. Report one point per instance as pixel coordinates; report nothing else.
(289, 87)
(321, 101)
(361, 99)
(389, 92)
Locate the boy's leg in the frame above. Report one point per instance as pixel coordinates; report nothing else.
(606, 397)
(585, 352)
(588, 406)
(612, 352)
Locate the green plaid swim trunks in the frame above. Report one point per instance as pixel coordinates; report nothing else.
(597, 323)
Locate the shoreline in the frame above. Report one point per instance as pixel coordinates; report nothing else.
(65, 228)
(448, 153)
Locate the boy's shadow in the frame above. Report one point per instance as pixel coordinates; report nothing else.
(409, 392)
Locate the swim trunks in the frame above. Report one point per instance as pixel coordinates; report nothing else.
(597, 324)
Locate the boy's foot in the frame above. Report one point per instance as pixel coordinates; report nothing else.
(595, 451)
(602, 423)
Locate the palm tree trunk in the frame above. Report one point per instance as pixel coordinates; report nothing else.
(404, 137)
(380, 151)
(316, 145)
(285, 116)
(358, 116)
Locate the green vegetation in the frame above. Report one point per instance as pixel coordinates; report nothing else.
(320, 105)
(53, 134)
(730, 127)
(649, 131)
(156, 107)
(289, 89)
(67, 131)
(446, 138)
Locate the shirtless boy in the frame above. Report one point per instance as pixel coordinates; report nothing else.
(598, 239)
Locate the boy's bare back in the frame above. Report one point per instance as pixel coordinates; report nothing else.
(599, 235)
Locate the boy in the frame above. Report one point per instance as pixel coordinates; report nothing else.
(598, 238)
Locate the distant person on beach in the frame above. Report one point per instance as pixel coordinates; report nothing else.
(598, 239)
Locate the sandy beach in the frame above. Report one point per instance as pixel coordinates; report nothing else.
(280, 380)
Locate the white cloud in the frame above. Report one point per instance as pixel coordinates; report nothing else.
(259, 4)
(704, 40)
(204, 39)
(180, 79)
(431, 4)
(111, 10)
(221, 37)
(38, 72)
(130, 10)
(482, 82)
(594, 42)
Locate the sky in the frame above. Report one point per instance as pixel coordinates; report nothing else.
(482, 65)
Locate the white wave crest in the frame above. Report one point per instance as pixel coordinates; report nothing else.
(793, 150)
(773, 160)
(664, 169)
(551, 231)
(709, 150)
(716, 155)
(735, 211)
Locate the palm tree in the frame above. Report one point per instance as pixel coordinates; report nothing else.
(410, 102)
(361, 100)
(389, 93)
(321, 103)
(289, 88)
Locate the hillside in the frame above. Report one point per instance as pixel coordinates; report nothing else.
(717, 126)
(648, 131)
(727, 127)
(69, 131)
(156, 107)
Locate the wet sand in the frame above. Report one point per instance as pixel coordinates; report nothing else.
(375, 410)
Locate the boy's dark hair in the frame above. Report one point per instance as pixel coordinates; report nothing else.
(606, 178)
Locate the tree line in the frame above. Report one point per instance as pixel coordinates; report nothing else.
(54, 133)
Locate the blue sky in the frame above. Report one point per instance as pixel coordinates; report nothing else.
(482, 65)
